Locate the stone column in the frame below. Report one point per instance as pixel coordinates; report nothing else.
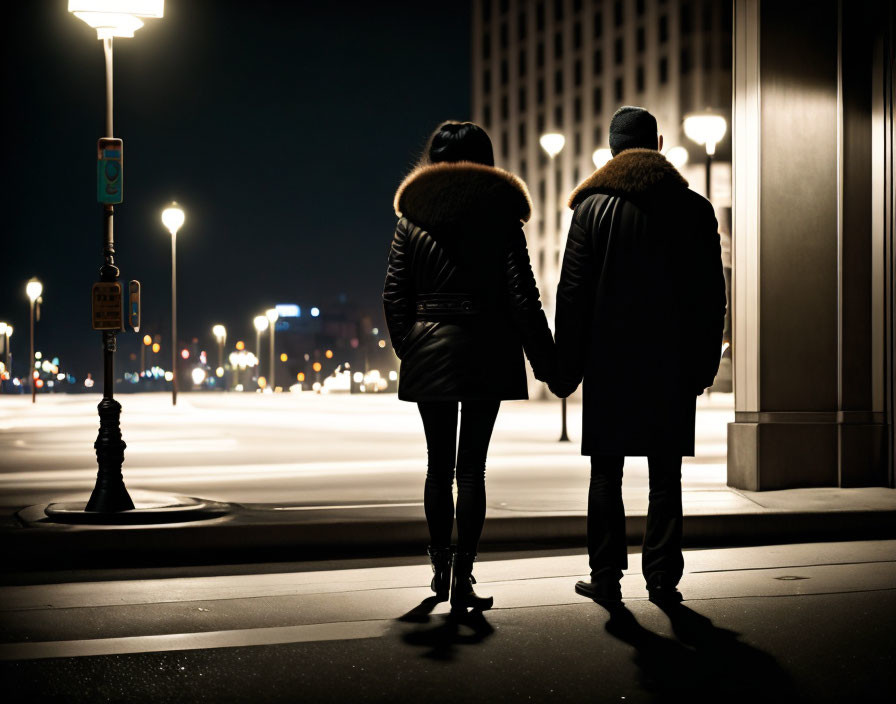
(809, 265)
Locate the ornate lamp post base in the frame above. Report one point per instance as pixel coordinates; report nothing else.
(109, 493)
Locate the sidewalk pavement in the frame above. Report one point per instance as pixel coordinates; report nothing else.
(785, 623)
(269, 532)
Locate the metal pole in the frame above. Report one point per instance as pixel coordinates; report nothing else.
(109, 493)
(564, 436)
(272, 359)
(257, 353)
(221, 352)
(173, 318)
(31, 372)
(142, 360)
(708, 181)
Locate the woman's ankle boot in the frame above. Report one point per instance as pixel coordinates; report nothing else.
(462, 594)
(441, 559)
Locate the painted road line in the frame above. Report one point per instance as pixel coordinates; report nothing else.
(318, 632)
(343, 506)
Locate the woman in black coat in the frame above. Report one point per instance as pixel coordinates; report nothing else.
(462, 306)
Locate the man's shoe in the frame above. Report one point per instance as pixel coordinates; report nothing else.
(664, 596)
(604, 592)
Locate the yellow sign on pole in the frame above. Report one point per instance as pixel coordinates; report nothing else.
(106, 306)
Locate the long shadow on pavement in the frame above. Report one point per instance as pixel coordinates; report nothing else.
(447, 632)
(705, 663)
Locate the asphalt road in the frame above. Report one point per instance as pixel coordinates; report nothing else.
(814, 623)
(311, 450)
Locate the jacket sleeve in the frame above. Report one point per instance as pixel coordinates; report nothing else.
(710, 300)
(575, 304)
(525, 308)
(398, 294)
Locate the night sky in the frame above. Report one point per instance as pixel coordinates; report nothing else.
(282, 129)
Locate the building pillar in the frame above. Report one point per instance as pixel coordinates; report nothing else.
(811, 265)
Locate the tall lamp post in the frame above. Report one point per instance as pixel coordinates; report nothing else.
(33, 289)
(109, 493)
(173, 218)
(272, 315)
(7, 334)
(220, 333)
(553, 143)
(707, 129)
(261, 324)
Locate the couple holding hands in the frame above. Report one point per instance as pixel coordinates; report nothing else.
(640, 310)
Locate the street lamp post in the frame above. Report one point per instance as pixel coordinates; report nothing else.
(220, 333)
(173, 218)
(33, 289)
(6, 332)
(261, 324)
(553, 143)
(147, 341)
(272, 316)
(109, 493)
(707, 129)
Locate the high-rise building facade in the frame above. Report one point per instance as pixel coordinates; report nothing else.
(564, 66)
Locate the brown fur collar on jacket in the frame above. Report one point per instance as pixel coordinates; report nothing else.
(441, 194)
(631, 172)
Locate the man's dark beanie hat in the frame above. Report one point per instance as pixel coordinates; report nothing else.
(632, 128)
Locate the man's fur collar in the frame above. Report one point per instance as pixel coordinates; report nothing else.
(441, 194)
(632, 172)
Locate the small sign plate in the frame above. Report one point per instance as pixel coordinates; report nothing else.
(106, 306)
(109, 175)
(134, 305)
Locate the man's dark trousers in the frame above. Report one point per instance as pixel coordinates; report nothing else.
(661, 559)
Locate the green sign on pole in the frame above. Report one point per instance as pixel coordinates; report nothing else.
(109, 151)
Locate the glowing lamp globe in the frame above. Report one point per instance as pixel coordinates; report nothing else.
(677, 156)
(552, 143)
(272, 315)
(601, 156)
(705, 128)
(220, 332)
(173, 218)
(33, 289)
(260, 322)
(116, 18)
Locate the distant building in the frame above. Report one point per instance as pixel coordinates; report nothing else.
(566, 65)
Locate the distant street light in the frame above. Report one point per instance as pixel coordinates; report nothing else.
(172, 218)
(220, 333)
(601, 157)
(707, 129)
(261, 324)
(553, 143)
(33, 289)
(677, 156)
(109, 493)
(272, 315)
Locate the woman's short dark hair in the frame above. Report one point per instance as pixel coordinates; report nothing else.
(460, 141)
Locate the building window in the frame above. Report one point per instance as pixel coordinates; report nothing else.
(598, 136)
(486, 80)
(639, 79)
(618, 89)
(505, 73)
(504, 38)
(504, 5)
(707, 17)
(542, 191)
(523, 169)
(487, 115)
(618, 50)
(521, 26)
(505, 144)
(505, 107)
(558, 116)
(521, 68)
(598, 24)
(639, 7)
(577, 6)
(664, 70)
(577, 146)
(558, 45)
(575, 175)
(486, 10)
(685, 18)
(598, 99)
(725, 51)
(521, 99)
(640, 39)
(539, 123)
(664, 28)
(577, 109)
(598, 61)
(486, 45)
(685, 60)
(577, 35)
(707, 56)
(558, 10)
(539, 14)
(618, 16)
(521, 135)
(539, 55)
(539, 91)
(558, 81)
(577, 72)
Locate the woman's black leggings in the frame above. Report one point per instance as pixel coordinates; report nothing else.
(444, 452)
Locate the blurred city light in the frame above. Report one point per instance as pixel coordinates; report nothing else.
(219, 372)
(300, 376)
(315, 312)
(185, 353)
(358, 377)
(677, 156)
(33, 289)
(198, 375)
(173, 218)
(220, 333)
(393, 376)
(328, 354)
(705, 128)
(240, 345)
(288, 310)
(283, 357)
(260, 322)
(381, 344)
(262, 382)
(38, 354)
(169, 376)
(272, 315)
(147, 340)
(316, 366)
(552, 143)
(601, 157)
(156, 347)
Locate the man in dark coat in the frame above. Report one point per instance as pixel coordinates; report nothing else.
(640, 312)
